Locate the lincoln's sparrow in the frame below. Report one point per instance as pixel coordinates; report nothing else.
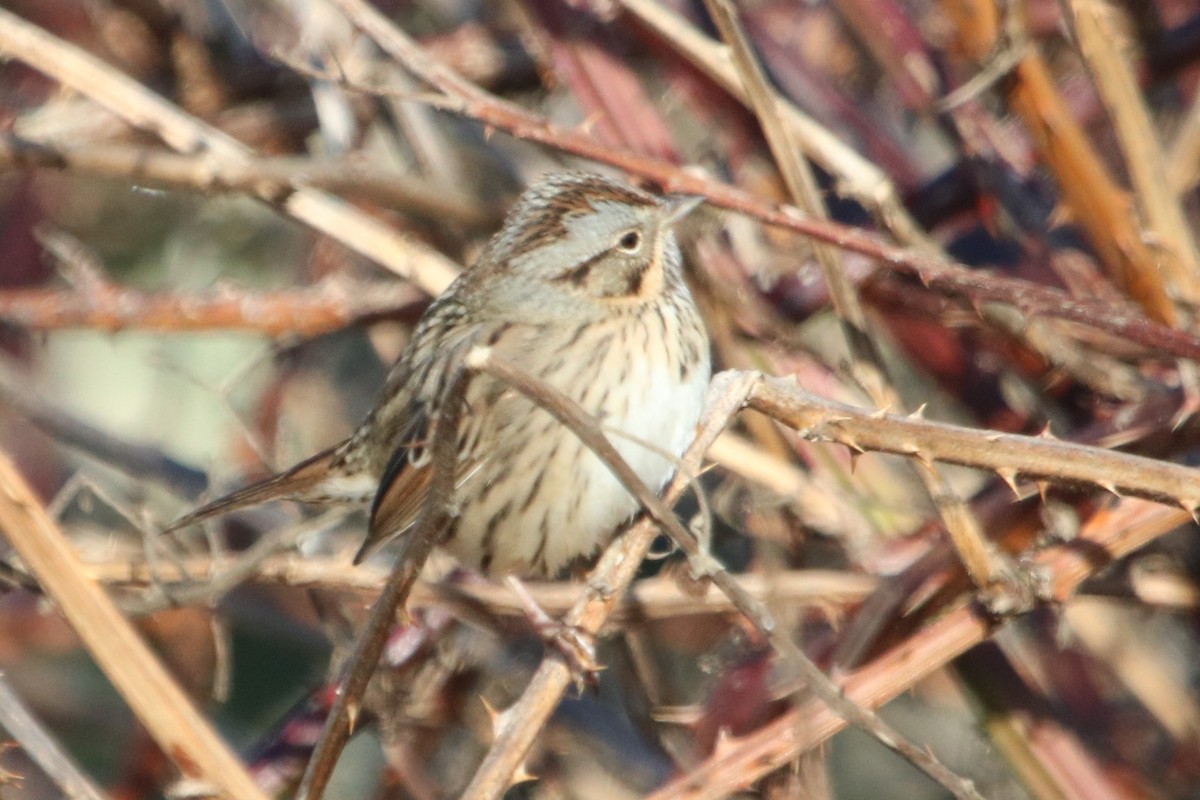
(582, 288)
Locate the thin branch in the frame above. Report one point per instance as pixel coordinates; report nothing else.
(936, 273)
(43, 748)
(590, 433)
(157, 701)
(436, 511)
(273, 177)
(329, 306)
(141, 108)
(200, 581)
(1107, 537)
(225, 574)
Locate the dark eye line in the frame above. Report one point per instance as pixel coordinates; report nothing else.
(578, 274)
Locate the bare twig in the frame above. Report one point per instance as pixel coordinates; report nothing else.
(43, 748)
(648, 599)
(936, 273)
(1106, 538)
(416, 545)
(230, 573)
(590, 433)
(143, 109)
(331, 305)
(182, 733)
(274, 177)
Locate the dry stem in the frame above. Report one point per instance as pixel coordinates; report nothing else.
(648, 599)
(137, 105)
(1105, 538)
(182, 733)
(936, 273)
(302, 312)
(589, 432)
(416, 545)
(42, 748)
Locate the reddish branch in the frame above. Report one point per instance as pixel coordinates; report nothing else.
(308, 311)
(937, 273)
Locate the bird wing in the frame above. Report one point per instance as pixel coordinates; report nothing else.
(404, 485)
(402, 488)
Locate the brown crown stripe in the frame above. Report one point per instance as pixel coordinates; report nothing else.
(568, 201)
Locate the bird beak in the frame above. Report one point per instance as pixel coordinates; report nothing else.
(678, 206)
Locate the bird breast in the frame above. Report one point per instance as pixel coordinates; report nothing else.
(539, 498)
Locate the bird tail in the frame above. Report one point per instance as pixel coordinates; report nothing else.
(296, 482)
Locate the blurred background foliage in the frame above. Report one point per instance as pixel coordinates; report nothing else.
(1093, 699)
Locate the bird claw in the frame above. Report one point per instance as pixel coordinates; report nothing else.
(577, 646)
(578, 649)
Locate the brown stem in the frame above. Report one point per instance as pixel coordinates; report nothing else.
(415, 547)
(156, 699)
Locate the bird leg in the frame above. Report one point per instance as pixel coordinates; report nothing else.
(576, 645)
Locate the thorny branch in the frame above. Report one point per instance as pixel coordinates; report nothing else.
(157, 700)
(416, 545)
(934, 272)
(703, 564)
(518, 726)
(331, 305)
(1127, 527)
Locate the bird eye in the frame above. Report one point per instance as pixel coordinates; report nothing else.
(630, 241)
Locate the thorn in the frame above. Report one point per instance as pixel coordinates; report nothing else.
(1109, 487)
(994, 437)
(522, 775)
(1192, 508)
(855, 455)
(492, 714)
(724, 742)
(1186, 411)
(1009, 476)
(1043, 487)
(919, 413)
(853, 446)
(1047, 433)
(881, 413)
(923, 457)
(352, 712)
